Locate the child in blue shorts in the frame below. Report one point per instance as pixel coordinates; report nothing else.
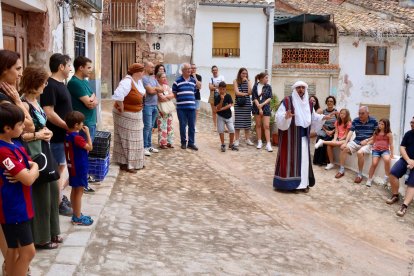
(76, 152)
(17, 174)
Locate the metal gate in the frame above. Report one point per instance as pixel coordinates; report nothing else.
(123, 55)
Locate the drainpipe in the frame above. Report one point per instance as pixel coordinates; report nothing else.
(266, 11)
(405, 91)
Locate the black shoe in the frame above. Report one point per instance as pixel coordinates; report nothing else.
(88, 190)
(66, 201)
(234, 148)
(183, 146)
(65, 210)
(91, 179)
(193, 147)
(223, 148)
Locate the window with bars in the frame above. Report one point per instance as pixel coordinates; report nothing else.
(376, 60)
(226, 39)
(80, 42)
(299, 55)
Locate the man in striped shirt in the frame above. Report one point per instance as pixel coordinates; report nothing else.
(184, 89)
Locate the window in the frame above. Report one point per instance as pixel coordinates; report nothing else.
(226, 39)
(376, 63)
(80, 42)
(316, 56)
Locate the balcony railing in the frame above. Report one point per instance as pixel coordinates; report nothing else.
(127, 17)
(93, 5)
(226, 52)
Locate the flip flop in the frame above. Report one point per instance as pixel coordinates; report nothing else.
(47, 246)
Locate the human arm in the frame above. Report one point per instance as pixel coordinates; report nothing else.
(81, 142)
(236, 89)
(80, 90)
(198, 83)
(152, 90)
(283, 117)
(54, 118)
(347, 139)
(42, 134)
(405, 156)
(229, 103)
(391, 139)
(89, 101)
(16, 170)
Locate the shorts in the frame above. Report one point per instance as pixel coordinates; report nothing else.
(400, 169)
(58, 151)
(379, 153)
(18, 235)
(223, 121)
(81, 180)
(197, 104)
(354, 147)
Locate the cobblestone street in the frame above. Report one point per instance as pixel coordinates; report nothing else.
(213, 213)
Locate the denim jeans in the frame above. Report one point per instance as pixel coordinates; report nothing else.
(187, 117)
(149, 115)
(92, 132)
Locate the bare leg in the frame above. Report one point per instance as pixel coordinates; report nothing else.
(62, 183)
(26, 255)
(329, 151)
(343, 156)
(373, 167)
(231, 138)
(247, 134)
(214, 114)
(395, 184)
(266, 121)
(360, 155)
(222, 138)
(387, 164)
(258, 120)
(409, 195)
(76, 198)
(237, 134)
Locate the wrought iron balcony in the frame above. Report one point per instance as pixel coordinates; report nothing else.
(226, 52)
(127, 16)
(92, 5)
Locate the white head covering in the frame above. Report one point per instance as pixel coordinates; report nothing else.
(301, 105)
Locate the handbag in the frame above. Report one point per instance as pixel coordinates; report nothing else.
(241, 101)
(166, 107)
(41, 154)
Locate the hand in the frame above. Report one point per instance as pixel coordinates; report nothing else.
(261, 112)
(410, 163)
(364, 142)
(33, 165)
(45, 134)
(289, 114)
(343, 146)
(244, 79)
(10, 178)
(86, 130)
(11, 92)
(119, 106)
(222, 96)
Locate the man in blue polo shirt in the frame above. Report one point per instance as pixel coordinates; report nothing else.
(364, 127)
(184, 89)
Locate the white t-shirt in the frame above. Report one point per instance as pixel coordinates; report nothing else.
(125, 86)
(216, 81)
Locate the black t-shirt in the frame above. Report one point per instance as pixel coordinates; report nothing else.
(227, 100)
(57, 95)
(408, 143)
(197, 93)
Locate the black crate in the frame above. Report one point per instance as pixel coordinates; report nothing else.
(101, 144)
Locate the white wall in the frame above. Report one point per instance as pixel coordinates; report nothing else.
(252, 42)
(355, 87)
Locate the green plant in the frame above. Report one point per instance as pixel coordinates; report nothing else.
(274, 105)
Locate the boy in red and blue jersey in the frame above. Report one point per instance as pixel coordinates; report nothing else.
(17, 174)
(76, 152)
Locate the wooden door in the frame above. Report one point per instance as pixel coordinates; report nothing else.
(123, 55)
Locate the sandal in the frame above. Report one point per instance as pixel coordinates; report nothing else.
(48, 246)
(57, 239)
(402, 210)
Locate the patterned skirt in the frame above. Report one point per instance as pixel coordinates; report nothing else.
(243, 115)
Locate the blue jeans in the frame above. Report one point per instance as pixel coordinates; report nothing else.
(149, 114)
(187, 117)
(92, 132)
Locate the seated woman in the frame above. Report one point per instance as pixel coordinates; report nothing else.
(342, 126)
(326, 133)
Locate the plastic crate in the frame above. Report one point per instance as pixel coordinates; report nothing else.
(101, 144)
(98, 167)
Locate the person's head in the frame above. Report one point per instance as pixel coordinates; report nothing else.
(193, 69)
(34, 80)
(330, 101)
(214, 70)
(301, 88)
(344, 116)
(11, 120)
(262, 77)
(314, 100)
(383, 125)
(149, 68)
(159, 68)
(222, 87)
(74, 120)
(363, 113)
(136, 71)
(83, 66)
(11, 67)
(161, 78)
(186, 70)
(60, 64)
(241, 75)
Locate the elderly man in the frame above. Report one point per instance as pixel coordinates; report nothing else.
(184, 89)
(294, 117)
(404, 166)
(364, 127)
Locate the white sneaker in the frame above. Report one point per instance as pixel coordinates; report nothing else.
(319, 144)
(269, 147)
(249, 143)
(259, 144)
(147, 152)
(151, 149)
(329, 166)
(236, 143)
(386, 179)
(369, 183)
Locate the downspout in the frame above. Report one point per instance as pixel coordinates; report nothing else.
(63, 29)
(405, 91)
(266, 11)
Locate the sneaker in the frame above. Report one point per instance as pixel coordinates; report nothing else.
(249, 142)
(236, 143)
(151, 149)
(65, 210)
(259, 144)
(319, 144)
(88, 190)
(402, 210)
(147, 152)
(386, 180)
(234, 147)
(269, 147)
(91, 179)
(369, 183)
(82, 220)
(66, 201)
(223, 148)
(393, 199)
(329, 166)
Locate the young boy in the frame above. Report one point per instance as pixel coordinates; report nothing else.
(223, 102)
(17, 174)
(76, 151)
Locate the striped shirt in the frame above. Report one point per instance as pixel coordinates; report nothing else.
(363, 130)
(184, 91)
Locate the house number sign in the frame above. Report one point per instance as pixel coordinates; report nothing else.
(156, 46)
